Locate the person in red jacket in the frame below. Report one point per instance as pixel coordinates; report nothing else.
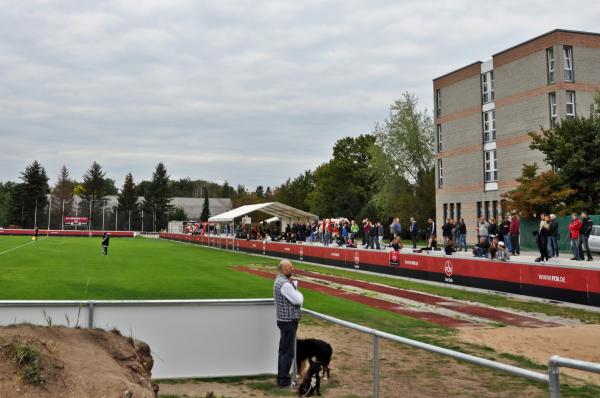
(574, 228)
(514, 230)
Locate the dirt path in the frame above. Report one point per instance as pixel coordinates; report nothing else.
(504, 317)
(405, 372)
(397, 308)
(579, 342)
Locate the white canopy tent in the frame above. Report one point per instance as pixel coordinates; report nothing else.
(287, 214)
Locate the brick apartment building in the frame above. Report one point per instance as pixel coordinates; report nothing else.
(484, 111)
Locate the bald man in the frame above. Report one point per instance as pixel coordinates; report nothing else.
(288, 301)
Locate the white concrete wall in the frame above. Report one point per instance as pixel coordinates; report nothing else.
(188, 338)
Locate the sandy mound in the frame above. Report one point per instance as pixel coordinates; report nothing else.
(61, 362)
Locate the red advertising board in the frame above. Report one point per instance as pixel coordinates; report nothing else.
(73, 221)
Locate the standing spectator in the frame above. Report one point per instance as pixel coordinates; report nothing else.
(414, 231)
(505, 231)
(455, 231)
(396, 227)
(542, 238)
(380, 244)
(584, 235)
(288, 301)
(553, 236)
(366, 233)
(354, 230)
(462, 234)
(515, 231)
(327, 229)
(574, 228)
(447, 230)
(492, 229)
(430, 229)
(345, 231)
(373, 237)
(483, 229)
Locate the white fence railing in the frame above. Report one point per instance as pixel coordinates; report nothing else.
(551, 378)
(188, 338)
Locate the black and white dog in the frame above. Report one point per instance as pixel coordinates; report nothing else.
(313, 348)
(312, 381)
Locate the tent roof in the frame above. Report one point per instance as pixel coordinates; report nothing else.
(273, 208)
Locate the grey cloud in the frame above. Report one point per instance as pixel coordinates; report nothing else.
(249, 92)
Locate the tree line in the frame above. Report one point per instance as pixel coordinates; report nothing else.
(571, 184)
(388, 171)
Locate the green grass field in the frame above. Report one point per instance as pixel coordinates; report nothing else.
(73, 268)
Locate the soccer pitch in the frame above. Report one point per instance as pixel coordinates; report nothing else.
(65, 268)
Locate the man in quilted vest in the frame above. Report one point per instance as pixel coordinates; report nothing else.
(288, 301)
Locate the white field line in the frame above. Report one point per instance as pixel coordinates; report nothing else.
(15, 248)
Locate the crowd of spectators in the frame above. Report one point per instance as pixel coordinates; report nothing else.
(496, 238)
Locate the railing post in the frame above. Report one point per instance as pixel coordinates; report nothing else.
(90, 315)
(375, 366)
(554, 377)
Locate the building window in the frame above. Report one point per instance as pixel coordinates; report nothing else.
(550, 64)
(452, 210)
(445, 211)
(571, 103)
(479, 210)
(568, 65)
(495, 209)
(491, 167)
(489, 126)
(458, 215)
(553, 109)
(486, 207)
(487, 87)
(439, 137)
(440, 173)
(438, 102)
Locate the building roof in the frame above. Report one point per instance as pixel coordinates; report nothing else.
(458, 70)
(275, 209)
(544, 35)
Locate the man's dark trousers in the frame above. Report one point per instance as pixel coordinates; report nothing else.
(287, 346)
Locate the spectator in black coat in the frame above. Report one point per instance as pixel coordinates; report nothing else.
(584, 236)
(414, 231)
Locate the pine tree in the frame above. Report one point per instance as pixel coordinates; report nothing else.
(226, 190)
(157, 198)
(62, 193)
(205, 209)
(94, 183)
(30, 196)
(128, 199)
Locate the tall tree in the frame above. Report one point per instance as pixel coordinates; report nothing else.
(260, 191)
(537, 193)
(157, 198)
(226, 190)
(345, 184)
(62, 193)
(295, 192)
(403, 161)
(572, 149)
(128, 199)
(205, 208)
(94, 183)
(29, 197)
(6, 193)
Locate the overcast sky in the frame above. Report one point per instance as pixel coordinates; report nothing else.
(249, 92)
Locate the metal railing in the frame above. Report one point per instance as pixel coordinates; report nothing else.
(551, 378)
(556, 362)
